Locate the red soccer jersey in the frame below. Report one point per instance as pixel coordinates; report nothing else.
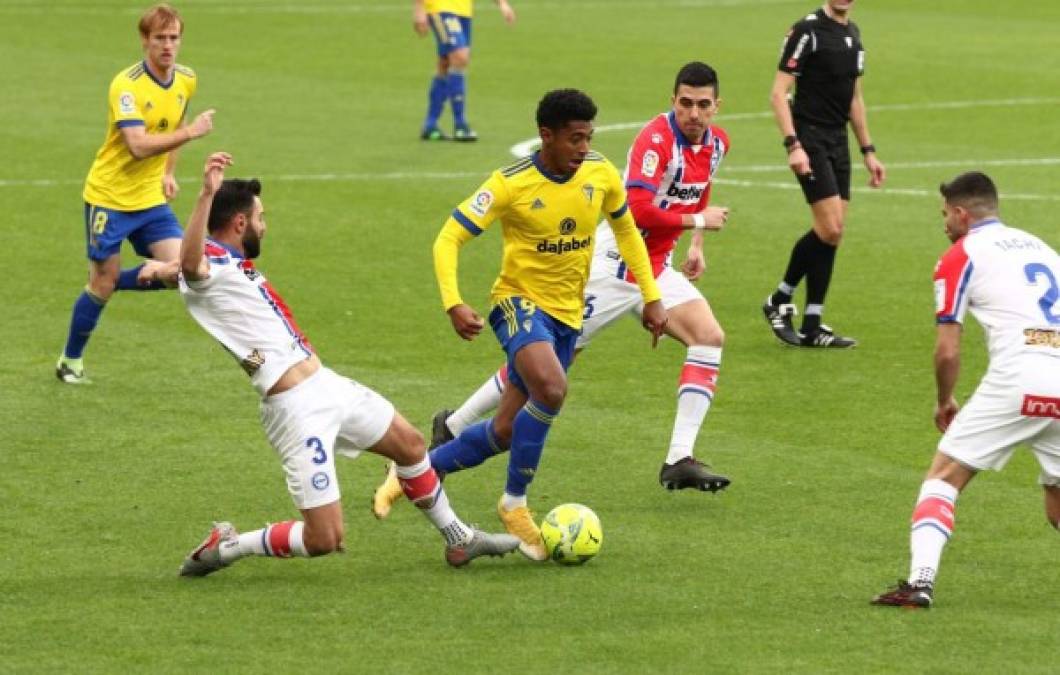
(667, 176)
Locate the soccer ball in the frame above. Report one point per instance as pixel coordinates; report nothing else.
(572, 534)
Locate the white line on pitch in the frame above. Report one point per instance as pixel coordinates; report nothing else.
(912, 192)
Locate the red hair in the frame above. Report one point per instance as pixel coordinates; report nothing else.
(159, 16)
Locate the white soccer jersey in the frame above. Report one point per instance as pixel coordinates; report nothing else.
(237, 306)
(1010, 280)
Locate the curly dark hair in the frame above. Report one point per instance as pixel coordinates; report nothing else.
(562, 106)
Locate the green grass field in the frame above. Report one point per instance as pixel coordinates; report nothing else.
(106, 487)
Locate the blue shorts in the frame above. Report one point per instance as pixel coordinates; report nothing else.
(517, 322)
(451, 31)
(106, 229)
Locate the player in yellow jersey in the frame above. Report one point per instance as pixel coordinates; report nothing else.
(549, 205)
(132, 178)
(450, 21)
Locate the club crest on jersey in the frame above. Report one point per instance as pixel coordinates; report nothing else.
(588, 191)
(127, 103)
(481, 203)
(253, 361)
(567, 225)
(249, 270)
(850, 42)
(649, 164)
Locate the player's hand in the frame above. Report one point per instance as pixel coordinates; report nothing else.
(945, 412)
(715, 217)
(506, 11)
(877, 172)
(799, 162)
(215, 171)
(170, 187)
(202, 125)
(157, 270)
(695, 264)
(466, 322)
(654, 320)
(419, 21)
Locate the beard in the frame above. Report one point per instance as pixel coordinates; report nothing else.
(251, 244)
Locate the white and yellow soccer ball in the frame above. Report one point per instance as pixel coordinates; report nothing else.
(572, 534)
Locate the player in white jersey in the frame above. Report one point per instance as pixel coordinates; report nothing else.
(309, 412)
(1010, 281)
(669, 172)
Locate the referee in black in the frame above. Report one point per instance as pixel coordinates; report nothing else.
(824, 54)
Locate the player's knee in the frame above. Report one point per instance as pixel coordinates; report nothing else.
(323, 539)
(711, 336)
(831, 232)
(411, 446)
(552, 393)
(502, 432)
(459, 59)
(102, 286)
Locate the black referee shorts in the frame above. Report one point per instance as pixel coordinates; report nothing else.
(829, 162)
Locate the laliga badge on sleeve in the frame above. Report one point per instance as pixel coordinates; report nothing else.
(649, 164)
(481, 203)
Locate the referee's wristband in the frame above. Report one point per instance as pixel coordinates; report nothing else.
(866, 149)
(698, 221)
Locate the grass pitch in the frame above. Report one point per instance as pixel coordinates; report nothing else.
(106, 487)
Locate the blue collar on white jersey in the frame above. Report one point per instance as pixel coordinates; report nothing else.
(232, 250)
(984, 223)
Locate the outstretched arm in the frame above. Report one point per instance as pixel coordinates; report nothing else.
(193, 263)
(143, 145)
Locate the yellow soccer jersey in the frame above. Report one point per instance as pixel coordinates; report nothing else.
(458, 7)
(117, 180)
(548, 225)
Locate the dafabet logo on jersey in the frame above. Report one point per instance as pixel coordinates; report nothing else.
(562, 245)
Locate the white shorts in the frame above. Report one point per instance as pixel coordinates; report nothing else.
(1011, 406)
(609, 296)
(307, 425)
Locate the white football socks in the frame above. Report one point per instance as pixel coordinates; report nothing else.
(695, 392)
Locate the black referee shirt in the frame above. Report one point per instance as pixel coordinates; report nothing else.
(827, 58)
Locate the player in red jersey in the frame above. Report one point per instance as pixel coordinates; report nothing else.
(669, 172)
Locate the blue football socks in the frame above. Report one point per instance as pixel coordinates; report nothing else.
(87, 309)
(456, 86)
(127, 281)
(436, 97)
(529, 431)
(472, 447)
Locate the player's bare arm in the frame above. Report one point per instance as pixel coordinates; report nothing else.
(947, 368)
(798, 160)
(419, 18)
(860, 124)
(193, 263)
(143, 145)
(506, 11)
(695, 263)
(170, 186)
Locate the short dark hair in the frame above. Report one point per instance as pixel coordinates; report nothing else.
(235, 196)
(972, 190)
(697, 74)
(561, 106)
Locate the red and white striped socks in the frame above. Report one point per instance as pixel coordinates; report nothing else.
(695, 393)
(933, 520)
(420, 484)
(279, 540)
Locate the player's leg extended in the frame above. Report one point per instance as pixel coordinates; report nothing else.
(404, 445)
(694, 325)
(932, 526)
(89, 305)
